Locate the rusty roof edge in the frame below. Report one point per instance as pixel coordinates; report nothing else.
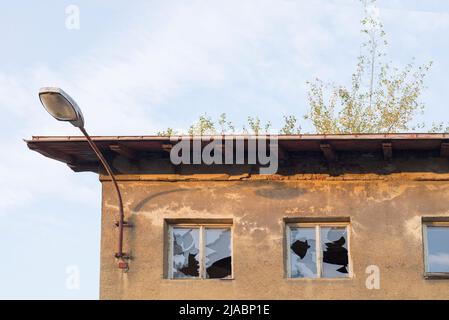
(364, 136)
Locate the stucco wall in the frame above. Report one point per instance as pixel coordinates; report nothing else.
(385, 230)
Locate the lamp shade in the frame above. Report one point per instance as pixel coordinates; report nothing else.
(61, 106)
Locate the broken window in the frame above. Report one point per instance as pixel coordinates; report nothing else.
(335, 252)
(317, 251)
(218, 253)
(200, 252)
(436, 248)
(303, 253)
(185, 253)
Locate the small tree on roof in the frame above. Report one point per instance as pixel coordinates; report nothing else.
(381, 98)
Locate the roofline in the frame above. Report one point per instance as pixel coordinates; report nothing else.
(76, 153)
(362, 136)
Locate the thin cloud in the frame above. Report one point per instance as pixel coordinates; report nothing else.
(257, 55)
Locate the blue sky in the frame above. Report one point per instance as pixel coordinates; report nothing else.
(137, 68)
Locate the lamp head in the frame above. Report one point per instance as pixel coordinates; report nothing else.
(61, 106)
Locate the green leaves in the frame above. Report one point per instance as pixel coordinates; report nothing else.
(256, 127)
(167, 132)
(206, 126)
(290, 126)
(380, 99)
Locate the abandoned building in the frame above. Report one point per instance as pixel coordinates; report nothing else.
(344, 217)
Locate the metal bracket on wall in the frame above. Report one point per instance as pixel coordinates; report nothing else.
(126, 224)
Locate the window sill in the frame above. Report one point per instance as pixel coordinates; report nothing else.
(198, 279)
(436, 276)
(319, 279)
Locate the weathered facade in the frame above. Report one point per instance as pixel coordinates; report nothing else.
(384, 190)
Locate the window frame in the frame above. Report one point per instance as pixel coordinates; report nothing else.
(319, 251)
(202, 248)
(427, 274)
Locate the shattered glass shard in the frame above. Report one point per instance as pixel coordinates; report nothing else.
(303, 253)
(335, 252)
(343, 270)
(185, 252)
(218, 253)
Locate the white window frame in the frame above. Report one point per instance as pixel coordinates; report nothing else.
(427, 274)
(318, 248)
(202, 248)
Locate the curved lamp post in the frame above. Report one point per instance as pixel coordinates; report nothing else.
(63, 108)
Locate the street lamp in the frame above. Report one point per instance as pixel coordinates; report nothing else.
(63, 108)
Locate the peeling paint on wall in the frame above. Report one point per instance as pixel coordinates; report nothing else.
(412, 227)
(385, 230)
